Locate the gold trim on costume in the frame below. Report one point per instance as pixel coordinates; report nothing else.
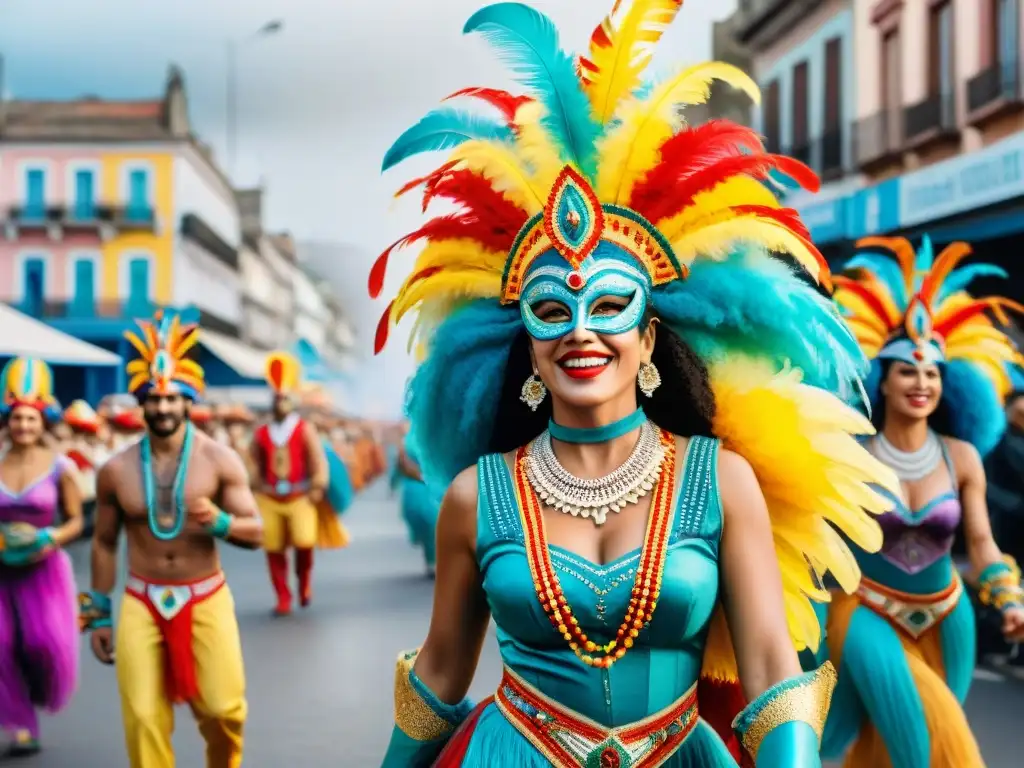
(914, 614)
(413, 715)
(802, 699)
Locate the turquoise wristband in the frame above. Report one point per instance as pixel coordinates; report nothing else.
(221, 526)
(794, 744)
(94, 610)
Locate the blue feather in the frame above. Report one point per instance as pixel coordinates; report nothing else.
(444, 129)
(527, 41)
(923, 263)
(959, 279)
(885, 269)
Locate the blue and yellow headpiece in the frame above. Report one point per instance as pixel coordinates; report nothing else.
(28, 381)
(162, 366)
(591, 185)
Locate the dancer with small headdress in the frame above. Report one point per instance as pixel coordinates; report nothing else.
(40, 513)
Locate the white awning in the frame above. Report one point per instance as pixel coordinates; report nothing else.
(24, 336)
(241, 358)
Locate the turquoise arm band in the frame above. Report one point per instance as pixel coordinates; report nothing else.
(94, 610)
(221, 526)
(999, 585)
(423, 723)
(782, 727)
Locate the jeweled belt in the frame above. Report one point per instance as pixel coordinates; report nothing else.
(914, 614)
(169, 599)
(570, 740)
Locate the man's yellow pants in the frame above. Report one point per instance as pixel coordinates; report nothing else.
(288, 522)
(220, 709)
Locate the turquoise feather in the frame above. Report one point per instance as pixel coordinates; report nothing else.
(444, 129)
(527, 41)
(886, 270)
(959, 279)
(923, 263)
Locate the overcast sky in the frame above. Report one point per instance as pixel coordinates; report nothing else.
(319, 103)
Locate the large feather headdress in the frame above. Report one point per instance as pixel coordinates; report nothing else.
(594, 148)
(915, 307)
(162, 366)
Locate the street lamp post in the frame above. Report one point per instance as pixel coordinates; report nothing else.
(270, 28)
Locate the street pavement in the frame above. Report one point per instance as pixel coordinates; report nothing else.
(320, 682)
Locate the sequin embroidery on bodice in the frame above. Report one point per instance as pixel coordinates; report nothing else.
(666, 658)
(35, 504)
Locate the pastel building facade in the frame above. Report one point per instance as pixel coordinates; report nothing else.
(109, 210)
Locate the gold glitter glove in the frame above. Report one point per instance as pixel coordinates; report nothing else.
(782, 727)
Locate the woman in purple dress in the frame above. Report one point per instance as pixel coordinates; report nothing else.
(40, 512)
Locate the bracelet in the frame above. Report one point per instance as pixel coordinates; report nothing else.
(94, 609)
(221, 526)
(999, 585)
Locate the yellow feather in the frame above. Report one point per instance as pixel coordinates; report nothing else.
(186, 343)
(504, 169)
(717, 202)
(458, 253)
(620, 65)
(717, 241)
(863, 314)
(814, 475)
(631, 149)
(534, 147)
(137, 381)
(137, 366)
(465, 283)
(140, 346)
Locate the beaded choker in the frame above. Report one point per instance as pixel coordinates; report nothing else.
(166, 533)
(600, 434)
(910, 465)
(646, 587)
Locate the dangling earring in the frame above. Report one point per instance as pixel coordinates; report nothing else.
(534, 392)
(648, 378)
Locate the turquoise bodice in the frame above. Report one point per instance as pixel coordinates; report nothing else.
(666, 658)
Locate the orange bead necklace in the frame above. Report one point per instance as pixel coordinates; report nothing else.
(646, 587)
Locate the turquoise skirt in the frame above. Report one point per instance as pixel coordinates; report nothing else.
(419, 510)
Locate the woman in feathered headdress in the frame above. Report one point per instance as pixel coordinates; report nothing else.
(633, 402)
(904, 641)
(40, 512)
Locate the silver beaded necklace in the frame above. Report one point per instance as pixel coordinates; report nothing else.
(595, 498)
(910, 465)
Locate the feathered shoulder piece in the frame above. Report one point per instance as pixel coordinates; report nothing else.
(915, 307)
(28, 381)
(590, 152)
(162, 366)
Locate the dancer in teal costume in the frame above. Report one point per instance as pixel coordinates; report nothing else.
(340, 492)
(595, 266)
(420, 504)
(904, 644)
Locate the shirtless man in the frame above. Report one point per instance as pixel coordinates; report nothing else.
(174, 493)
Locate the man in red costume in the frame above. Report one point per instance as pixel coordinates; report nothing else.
(291, 477)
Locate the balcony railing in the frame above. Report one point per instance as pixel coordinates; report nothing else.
(203, 235)
(932, 118)
(995, 87)
(107, 220)
(101, 309)
(879, 137)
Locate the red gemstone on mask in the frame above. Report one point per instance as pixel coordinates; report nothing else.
(610, 758)
(918, 355)
(574, 280)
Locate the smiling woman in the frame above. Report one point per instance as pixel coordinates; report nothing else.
(637, 472)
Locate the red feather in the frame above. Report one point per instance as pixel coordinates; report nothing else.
(788, 217)
(719, 702)
(960, 316)
(426, 179)
(866, 294)
(383, 325)
(276, 373)
(476, 194)
(690, 151)
(503, 101)
(680, 193)
(798, 172)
